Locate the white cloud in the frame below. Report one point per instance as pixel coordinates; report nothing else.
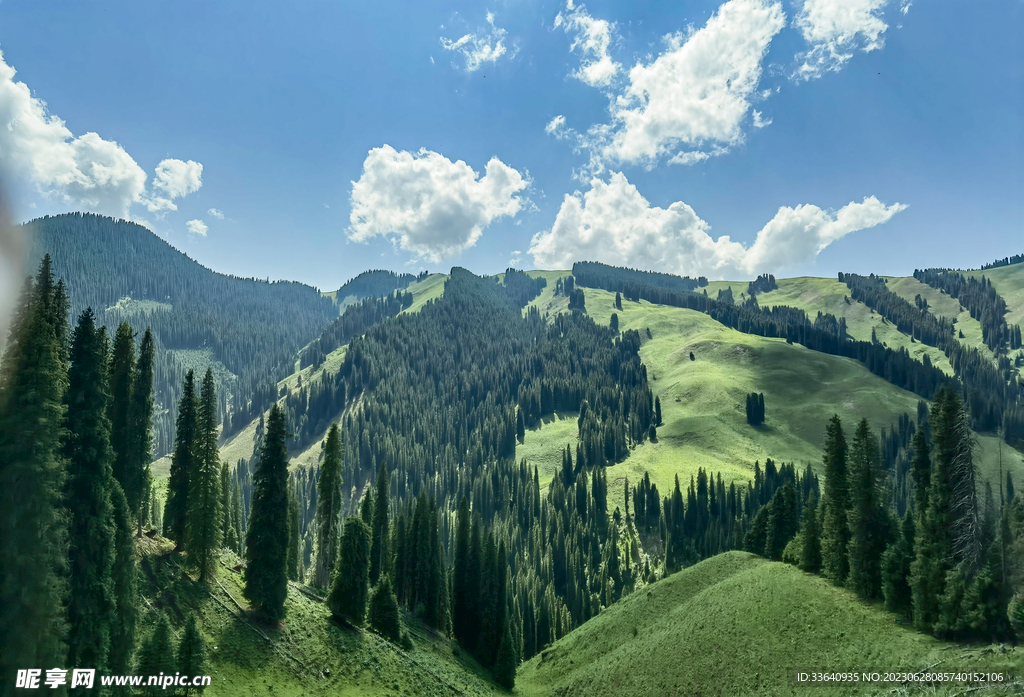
(177, 178)
(905, 6)
(487, 47)
(556, 127)
(84, 171)
(218, 214)
(517, 258)
(692, 98)
(759, 121)
(197, 227)
(615, 224)
(592, 37)
(834, 29)
(435, 207)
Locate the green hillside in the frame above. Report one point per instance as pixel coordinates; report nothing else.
(307, 654)
(1009, 283)
(707, 426)
(737, 624)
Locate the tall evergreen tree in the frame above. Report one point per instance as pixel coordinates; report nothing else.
(203, 520)
(156, 654)
(33, 520)
(350, 590)
(327, 520)
(810, 551)
(383, 612)
(125, 581)
(91, 604)
(227, 531)
(191, 657)
(379, 554)
(783, 521)
(896, 569)
(266, 540)
(835, 533)
(657, 412)
(618, 301)
(461, 594)
(294, 533)
(121, 379)
(507, 661)
(866, 516)
(140, 428)
(183, 463)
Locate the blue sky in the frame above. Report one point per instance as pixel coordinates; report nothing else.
(819, 136)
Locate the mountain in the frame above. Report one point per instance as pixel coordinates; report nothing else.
(248, 330)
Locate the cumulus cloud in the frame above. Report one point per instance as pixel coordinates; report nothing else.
(429, 205)
(479, 48)
(905, 6)
(517, 258)
(83, 171)
(615, 224)
(835, 29)
(556, 127)
(759, 121)
(197, 227)
(218, 214)
(592, 38)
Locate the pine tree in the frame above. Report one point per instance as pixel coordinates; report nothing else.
(33, 520)
(782, 522)
(866, 517)
(507, 661)
(835, 532)
(294, 534)
(461, 609)
(895, 567)
(657, 412)
(156, 655)
(191, 656)
(121, 377)
(227, 531)
(614, 323)
(379, 553)
(183, 463)
(236, 516)
(266, 541)
(810, 552)
(349, 593)
(125, 581)
(140, 426)
(203, 520)
(327, 520)
(520, 426)
(383, 611)
(87, 451)
(618, 301)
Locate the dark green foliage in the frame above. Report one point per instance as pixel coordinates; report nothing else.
(657, 412)
(191, 658)
(156, 654)
(251, 326)
(383, 611)
(614, 323)
(520, 288)
(375, 284)
(618, 302)
(348, 598)
(227, 529)
(266, 540)
(507, 661)
(121, 377)
(755, 408)
(33, 520)
(140, 428)
(91, 603)
(355, 320)
(1009, 488)
(183, 463)
(203, 518)
(577, 300)
(835, 532)
(783, 521)
(895, 568)
(979, 297)
(810, 537)
(866, 517)
(763, 284)
(380, 555)
(125, 582)
(520, 426)
(327, 523)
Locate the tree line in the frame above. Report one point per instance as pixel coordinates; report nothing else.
(981, 300)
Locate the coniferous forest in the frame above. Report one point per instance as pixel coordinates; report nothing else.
(419, 518)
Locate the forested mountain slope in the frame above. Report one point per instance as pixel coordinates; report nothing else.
(248, 329)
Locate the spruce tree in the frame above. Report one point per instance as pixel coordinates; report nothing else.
(140, 453)
(782, 523)
(835, 532)
(33, 519)
(327, 520)
(350, 590)
(121, 378)
(183, 463)
(156, 654)
(461, 610)
(657, 412)
(866, 516)
(191, 657)
(91, 604)
(895, 567)
(266, 541)
(203, 519)
(810, 551)
(125, 579)
(227, 530)
(614, 323)
(507, 661)
(383, 611)
(379, 553)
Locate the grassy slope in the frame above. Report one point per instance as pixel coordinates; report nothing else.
(707, 426)
(701, 632)
(291, 660)
(1009, 283)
